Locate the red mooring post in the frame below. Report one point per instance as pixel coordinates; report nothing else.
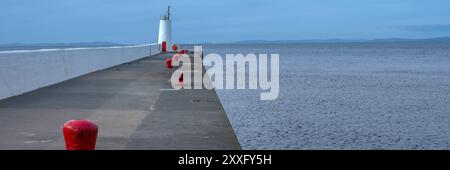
(164, 46)
(80, 134)
(169, 63)
(174, 47)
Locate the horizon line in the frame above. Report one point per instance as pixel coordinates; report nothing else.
(238, 41)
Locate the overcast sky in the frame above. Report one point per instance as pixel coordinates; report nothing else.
(136, 21)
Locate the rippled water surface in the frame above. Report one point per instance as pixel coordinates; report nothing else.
(346, 96)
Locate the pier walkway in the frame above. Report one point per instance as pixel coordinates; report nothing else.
(131, 103)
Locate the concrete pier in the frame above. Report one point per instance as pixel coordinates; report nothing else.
(131, 103)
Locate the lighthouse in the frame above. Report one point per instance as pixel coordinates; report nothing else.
(165, 30)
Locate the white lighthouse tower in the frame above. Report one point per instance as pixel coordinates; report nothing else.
(165, 29)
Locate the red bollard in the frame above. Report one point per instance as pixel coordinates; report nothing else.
(169, 63)
(174, 47)
(164, 46)
(80, 135)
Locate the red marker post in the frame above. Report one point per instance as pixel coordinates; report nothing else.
(169, 63)
(80, 135)
(183, 51)
(164, 47)
(174, 47)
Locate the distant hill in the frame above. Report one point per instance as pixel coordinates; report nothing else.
(296, 41)
(20, 46)
(439, 39)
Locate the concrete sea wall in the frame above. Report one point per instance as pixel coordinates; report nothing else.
(24, 71)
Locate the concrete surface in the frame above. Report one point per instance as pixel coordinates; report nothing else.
(131, 103)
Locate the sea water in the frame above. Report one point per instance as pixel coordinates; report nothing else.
(393, 95)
